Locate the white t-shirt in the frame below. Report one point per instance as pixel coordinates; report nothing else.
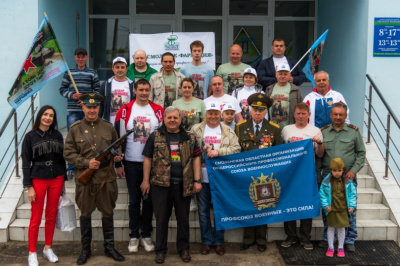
(120, 95)
(242, 96)
(145, 122)
(211, 141)
(279, 61)
(224, 100)
(291, 133)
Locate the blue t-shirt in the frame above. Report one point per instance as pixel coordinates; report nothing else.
(201, 75)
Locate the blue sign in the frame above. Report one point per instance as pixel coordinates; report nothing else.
(386, 37)
(264, 186)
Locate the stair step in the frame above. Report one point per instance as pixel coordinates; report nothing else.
(368, 195)
(365, 181)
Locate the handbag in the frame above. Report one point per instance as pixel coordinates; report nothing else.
(66, 216)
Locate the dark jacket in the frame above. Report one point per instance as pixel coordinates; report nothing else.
(38, 148)
(266, 72)
(105, 91)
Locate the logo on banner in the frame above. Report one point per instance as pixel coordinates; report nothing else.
(264, 191)
(172, 44)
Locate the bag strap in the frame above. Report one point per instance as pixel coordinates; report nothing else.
(87, 138)
(104, 180)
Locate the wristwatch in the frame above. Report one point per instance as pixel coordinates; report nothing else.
(197, 181)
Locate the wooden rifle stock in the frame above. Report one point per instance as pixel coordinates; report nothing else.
(85, 177)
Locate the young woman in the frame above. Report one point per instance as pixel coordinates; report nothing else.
(193, 109)
(44, 172)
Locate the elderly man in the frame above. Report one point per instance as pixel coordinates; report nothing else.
(286, 95)
(221, 98)
(140, 111)
(343, 141)
(292, 133)
(198, 72)
(117, 90)
(85, 139)
(266, 70)
(216, 140)
(165, 85)
(321, 100)
(172, 166)
(140, 69)
(257, 133)
(231, 72)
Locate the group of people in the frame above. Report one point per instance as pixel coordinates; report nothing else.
(178, 119)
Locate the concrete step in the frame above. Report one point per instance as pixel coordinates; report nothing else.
(367, 230)
(365, 181)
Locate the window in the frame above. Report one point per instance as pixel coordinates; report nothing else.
(248, 7)
(109, 7)
(155, 6)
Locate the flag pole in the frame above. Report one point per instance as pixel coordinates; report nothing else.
(69, 72)
(298, 62)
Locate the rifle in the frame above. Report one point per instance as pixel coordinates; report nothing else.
(85, 177)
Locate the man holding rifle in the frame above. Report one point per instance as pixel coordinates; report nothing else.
(85, 139)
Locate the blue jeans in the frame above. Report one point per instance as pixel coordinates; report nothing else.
(134, 177)
(72, 117)
(351, 231)
(208, 235)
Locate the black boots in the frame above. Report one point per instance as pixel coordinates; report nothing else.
(108, 233)
(86, 239)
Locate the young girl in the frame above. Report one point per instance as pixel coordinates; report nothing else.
(44, 170)
(338, 200)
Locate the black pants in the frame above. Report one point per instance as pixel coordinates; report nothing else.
(305, 229)
(164, 198)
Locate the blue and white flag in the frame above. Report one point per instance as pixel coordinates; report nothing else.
(264, 186)
(314, 58)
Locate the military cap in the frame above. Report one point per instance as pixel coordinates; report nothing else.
(91, 99)
(336, 163)
(259, 101)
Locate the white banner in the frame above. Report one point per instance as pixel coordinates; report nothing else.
(177, 43)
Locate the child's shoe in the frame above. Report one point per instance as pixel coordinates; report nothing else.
(340, 252)
(329, 253)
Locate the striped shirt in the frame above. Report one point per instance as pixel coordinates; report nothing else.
(86, 80)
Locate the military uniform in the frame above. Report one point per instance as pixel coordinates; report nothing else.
(348, 145)
(84, 141)
(268, 136)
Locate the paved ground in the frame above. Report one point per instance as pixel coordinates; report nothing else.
(16, 253)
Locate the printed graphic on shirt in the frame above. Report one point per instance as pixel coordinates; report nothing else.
(141, 125)
(175, 153)
(279, 110)
(188, 118)
(198, 80)
(209, 143)
(233, 80)
(245, 109)
(119, 97)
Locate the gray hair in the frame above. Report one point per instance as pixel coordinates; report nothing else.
(339, 104)
(171, 109)
(320, 72)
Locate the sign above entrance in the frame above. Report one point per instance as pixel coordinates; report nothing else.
(386, 37)
(177, 43)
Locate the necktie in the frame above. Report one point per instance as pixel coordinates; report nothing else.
(257, 129)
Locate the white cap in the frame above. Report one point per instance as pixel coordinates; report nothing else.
(228, 106)
(119, 59)
(250, 70)
(212, 106)
(283, 67)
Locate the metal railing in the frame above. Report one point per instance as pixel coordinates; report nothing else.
(377, 125)
(16, 140)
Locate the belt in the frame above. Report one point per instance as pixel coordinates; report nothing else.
(48, 163)
(176, 183)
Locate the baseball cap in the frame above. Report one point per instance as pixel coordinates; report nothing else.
(80, 50)
(228, 106)
(283, 67)
(212, 106)
(250, 70)
(119, 59)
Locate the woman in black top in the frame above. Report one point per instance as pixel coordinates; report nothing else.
(44, 174)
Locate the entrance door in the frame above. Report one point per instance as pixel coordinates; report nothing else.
(252, 36)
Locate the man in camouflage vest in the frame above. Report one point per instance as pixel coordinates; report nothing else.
(172, 166)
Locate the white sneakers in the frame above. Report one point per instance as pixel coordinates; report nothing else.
(147, 244)
(133, 245)
(32, 260)
(49, 255)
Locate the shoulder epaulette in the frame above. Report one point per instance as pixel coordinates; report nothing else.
(273, 124)
(106, 121)
(76, 123)
(324, 127)
(353, 127)
(241, 122)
